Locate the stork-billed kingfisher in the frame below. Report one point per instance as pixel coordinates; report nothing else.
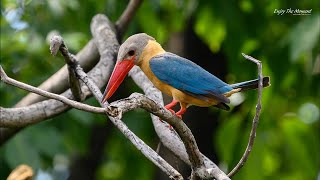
(188, 83)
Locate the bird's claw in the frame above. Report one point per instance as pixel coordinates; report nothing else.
(172, 111)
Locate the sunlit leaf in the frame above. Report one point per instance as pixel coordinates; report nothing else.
(249, 46)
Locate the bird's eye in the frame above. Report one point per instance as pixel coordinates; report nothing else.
(131, 53)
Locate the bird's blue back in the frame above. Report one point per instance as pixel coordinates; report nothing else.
(188, 77)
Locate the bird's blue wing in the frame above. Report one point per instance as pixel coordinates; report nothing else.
(188, 77)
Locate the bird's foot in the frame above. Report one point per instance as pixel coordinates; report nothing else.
(180, 113)
(172, 111)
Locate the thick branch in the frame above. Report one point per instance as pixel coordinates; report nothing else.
(139, 101)
(255, 120)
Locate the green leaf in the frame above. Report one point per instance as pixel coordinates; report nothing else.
(249, 46)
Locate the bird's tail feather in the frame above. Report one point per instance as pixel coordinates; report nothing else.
(252, 84)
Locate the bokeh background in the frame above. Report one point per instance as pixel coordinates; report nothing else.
(212, 33)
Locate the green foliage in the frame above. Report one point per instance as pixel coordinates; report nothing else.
(287, 145)
(210, 28)
(304, 36)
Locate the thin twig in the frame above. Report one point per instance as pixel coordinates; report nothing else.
(255, 121)
(124, 20)
(58, 82)
(6, 79)
(56, 43)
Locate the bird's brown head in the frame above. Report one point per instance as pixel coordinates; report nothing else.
(128, 55)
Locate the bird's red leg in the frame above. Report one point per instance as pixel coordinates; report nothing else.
(181, 111)
(171, 105)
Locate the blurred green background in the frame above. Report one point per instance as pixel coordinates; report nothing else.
(212, 33)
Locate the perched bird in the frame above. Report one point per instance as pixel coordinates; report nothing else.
(188, 83)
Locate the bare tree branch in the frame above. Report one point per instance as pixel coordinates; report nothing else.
(15, 117)
(183, 130)
(56, 43)
(145, 149)
(135, 140)
(88, 57)
(153, 156)
(99, 74)
(255, 120)
(126, 17)
(58, 83)
(136, 100)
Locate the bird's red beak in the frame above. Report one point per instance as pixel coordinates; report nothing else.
(119, 73)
